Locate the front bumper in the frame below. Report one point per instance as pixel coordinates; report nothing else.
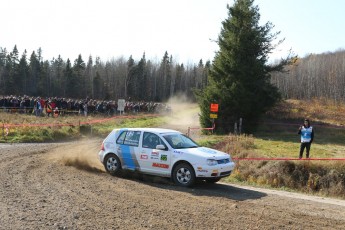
(216, 171)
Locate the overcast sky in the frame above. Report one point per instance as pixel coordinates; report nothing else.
(185, 28)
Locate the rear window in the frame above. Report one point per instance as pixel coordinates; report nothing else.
(129, 138)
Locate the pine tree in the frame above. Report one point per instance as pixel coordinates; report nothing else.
(78, 82)
(141, 83)
(130, 77)
(34, 73)
(164, 82)
(88, 78)
(239, 77)
(12, 77)
(70, 90)
(3, 54)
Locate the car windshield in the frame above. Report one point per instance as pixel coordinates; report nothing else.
(180, 141)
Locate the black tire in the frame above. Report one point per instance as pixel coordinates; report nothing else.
(212, 180)
(184, 175)
(112, 164)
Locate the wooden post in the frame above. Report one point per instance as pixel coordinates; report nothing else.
(235, 128)
(240, 126)
(213, 125)
(3, 130)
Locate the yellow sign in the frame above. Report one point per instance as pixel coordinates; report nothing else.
(213, 115)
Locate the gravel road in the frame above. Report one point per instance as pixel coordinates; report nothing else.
(63, 186)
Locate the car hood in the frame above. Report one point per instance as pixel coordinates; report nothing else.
(203, 152)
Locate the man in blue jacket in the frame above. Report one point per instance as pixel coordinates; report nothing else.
(307, 136)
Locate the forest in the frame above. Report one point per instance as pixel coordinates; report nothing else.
(117, 78)
(312, 76)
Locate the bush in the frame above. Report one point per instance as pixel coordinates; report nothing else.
(323, 178)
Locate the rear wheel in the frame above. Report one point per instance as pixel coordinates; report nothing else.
(112, 164)
(184, 175)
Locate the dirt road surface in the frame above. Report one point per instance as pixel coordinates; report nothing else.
(63, 186)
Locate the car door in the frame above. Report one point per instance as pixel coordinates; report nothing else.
(153, 160)
(128, 149)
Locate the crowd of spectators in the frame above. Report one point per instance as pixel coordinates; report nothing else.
(56, 106)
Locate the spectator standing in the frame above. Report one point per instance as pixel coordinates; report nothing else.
(307, 136)
(85, 109)
(38, 108)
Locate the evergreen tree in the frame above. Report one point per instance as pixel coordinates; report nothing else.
(71, 81)
(164, 82)
(97, 86)
(34, 72)
(178, 80)
(130, 78)
(88, 78)
(239, 79)
(23, 73)
(3, 54)
(45, 85)
(12, 80)
(141, 83)
(58, 83)
(78, 81)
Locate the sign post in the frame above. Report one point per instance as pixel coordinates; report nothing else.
(121, 105)
(213, 113)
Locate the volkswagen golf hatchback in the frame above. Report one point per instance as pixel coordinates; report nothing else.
(163, 152)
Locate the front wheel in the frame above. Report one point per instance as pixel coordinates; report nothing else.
(184, 175)
(112, 164)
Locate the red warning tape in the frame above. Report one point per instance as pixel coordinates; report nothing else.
(298, 124)
(285, 159)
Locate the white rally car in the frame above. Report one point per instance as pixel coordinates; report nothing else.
(163, 152)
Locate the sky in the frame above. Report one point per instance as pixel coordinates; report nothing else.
(186, 29)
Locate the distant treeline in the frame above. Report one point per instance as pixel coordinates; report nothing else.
(314, 76)
(113, 79)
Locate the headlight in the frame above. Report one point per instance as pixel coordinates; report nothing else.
(211, 162)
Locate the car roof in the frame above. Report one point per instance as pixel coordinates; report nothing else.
(154, 130)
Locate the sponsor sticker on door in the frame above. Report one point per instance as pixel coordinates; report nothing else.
(144, 157)
(157, 165)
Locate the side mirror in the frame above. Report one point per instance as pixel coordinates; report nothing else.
(160, 147)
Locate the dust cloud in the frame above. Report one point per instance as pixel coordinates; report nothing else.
(184, 113)
(81, 155)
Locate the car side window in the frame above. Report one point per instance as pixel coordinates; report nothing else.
(151, 140)
(132, 138)
(129, 138)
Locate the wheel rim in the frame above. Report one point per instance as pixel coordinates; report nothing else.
(112, 164)
(183, 175)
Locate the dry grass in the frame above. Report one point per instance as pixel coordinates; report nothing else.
(29, 128)
(318, 110)
(277, 137)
